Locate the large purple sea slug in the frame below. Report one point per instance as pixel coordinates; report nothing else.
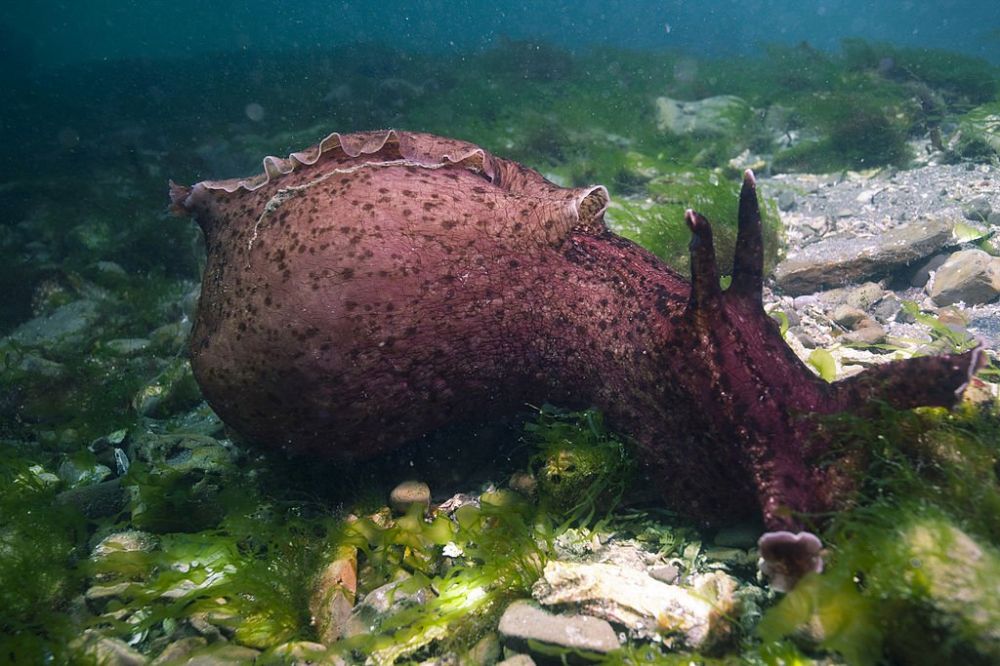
(380, 285)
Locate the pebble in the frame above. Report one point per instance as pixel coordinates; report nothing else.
(977, 209)
(848, 316)
(864, 296)
(524, 483)
(409, 493)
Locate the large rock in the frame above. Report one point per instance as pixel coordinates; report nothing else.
(523, 622)
(66, 328)
(837, 261)
(696, 616)
(724, 114)
(970, 276)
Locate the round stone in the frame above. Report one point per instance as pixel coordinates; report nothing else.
(409, 493)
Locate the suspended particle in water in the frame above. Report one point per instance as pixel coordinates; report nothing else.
(254, 111)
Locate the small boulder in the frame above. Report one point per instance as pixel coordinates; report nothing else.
(696, 615)
(838, 261)
(969, 276)
(523, 622)
(712, 116)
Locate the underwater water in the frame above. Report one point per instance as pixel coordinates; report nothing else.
(142, 523)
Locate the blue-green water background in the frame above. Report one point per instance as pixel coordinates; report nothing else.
(65, 32)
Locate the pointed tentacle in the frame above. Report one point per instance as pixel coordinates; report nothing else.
(748, 261)
(705, 290)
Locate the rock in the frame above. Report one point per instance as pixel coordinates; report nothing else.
(92, 647)
(333, 595)
(179, 651)
(697, 616)
(96, 501)
(864, 296)
(487, 650)
(517, 660)
(173, 390)
(887, 309)
(977, 209)
(956, 584)
(75, 474)
(666, 573)
(848, 316)
(523, 622)
(968, 276)
(712, 116)
(223, 654)
(866, 333)
(837, 261)
(381, 603)
(409, 493)
(67, 328)
(923, 274)
(126, 346)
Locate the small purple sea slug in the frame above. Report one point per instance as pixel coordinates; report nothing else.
(379, 285)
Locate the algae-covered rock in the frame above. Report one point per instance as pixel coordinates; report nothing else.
(579, 464)
(712, 116)
(955, 586)
(173, 390)
(333, 595)
(981, 126)
(65, 330)
(925, 591)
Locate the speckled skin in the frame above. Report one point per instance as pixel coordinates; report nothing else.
(380, 285)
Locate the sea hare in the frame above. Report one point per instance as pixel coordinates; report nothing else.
(379, 285)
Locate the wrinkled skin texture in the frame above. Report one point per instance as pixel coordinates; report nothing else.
(380, 285)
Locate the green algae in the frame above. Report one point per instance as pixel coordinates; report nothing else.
(910, 567)
(659, 226)
(40, 541)
(580, 467)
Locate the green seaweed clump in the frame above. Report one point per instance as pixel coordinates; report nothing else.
(968, 79)
(659, 227)
(39, 539)
(581, 468)
(859, 130)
